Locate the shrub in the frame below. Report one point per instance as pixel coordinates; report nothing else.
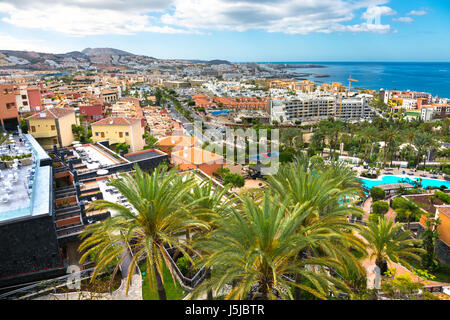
(443, 196)
(377, 194)
(368, 175)
(183, 265)
(380, 207)
(234, 179)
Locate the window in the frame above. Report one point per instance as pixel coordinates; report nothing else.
(24, 97)
(103, 134)
(53, 127)
(10, 105)
(127, 134)
(33, 129)
(55, 141)
(96, 134)
(120, 134)
(25, 103)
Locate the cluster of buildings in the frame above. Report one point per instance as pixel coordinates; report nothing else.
(420, 105)
(256, 103)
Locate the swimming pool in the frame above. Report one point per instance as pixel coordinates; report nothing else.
(370, 183)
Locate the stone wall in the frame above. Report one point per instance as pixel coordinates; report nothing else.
(29, 245)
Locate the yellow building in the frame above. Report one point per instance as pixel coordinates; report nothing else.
(53, 126)
(120, 130)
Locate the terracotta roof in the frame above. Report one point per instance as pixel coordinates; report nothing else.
(53, 113)
(444, 210)
(177, 141)
(116, 121)
(197, 156)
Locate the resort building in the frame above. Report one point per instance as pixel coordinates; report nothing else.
(120, 130)
(9, 113)
(354, 109)
(53, 126)
(303, 108)
(29, 249)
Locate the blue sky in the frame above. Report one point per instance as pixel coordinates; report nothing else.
(235, 30)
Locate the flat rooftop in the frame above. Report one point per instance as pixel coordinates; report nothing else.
(144, 155)
(26, 188)
(95, 157)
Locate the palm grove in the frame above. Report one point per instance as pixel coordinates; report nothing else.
(295, 242)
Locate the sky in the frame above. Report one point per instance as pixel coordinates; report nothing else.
(234, 30)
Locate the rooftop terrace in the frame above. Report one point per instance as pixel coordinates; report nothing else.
(24, 183)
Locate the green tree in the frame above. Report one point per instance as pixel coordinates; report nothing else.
(122, 147)
(151, 142)
(430, 237)
(159, 219)
(377, 194)
(254, 249)
(407, 211)
(234, 179)
(388, 242)
(330, 198)
(380, 207)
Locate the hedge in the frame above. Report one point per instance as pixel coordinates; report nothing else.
(443, 196)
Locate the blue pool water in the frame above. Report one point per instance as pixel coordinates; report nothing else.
(369, 184)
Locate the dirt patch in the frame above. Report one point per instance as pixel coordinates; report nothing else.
(424, 202)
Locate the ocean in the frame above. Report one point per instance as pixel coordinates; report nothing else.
(416, 76)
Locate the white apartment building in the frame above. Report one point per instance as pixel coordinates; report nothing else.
(427, 113)
(354, 109)
(409, 104)
(314, 107)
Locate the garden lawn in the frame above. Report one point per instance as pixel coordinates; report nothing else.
(173, 292)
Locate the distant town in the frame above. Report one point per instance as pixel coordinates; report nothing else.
(73, 125)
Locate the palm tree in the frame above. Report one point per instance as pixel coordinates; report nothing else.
(389, 136)
(210, 204)
(159, 220)
(255, 249)
(408, 209)
(423, 141)
(390, 243)
(329, 193)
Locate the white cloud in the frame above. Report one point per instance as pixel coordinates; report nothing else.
(9, 42)
(82, 17)
(287, 16)
(98, 17)
(404, 19)
(417, 13)
(374, 12)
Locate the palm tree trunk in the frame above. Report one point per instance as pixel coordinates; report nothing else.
(159, 284)
(209, 294)
(297, 290)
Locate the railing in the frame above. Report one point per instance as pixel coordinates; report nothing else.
(28, 210)
(45, 287)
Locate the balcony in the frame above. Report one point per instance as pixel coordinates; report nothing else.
(44, 134)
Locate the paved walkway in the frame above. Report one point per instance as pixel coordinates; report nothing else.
(134, 293)
(367, 207)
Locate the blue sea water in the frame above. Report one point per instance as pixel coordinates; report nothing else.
(433, 77)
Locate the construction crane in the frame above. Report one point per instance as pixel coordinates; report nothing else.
(350, 80)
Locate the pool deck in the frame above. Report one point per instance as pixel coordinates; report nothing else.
(399, 173)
